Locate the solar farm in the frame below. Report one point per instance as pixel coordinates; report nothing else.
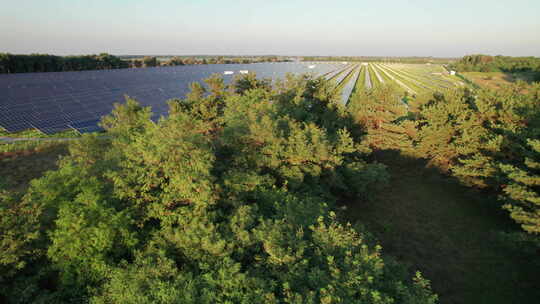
(413, 78)
(58, 101)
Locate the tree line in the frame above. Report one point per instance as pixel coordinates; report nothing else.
(486, 63)
(185, 60)
(231, 198)
(10, 63)
(488, 140)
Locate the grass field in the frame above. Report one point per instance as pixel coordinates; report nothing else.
(18, 168)
(450, 233)
(496, 80)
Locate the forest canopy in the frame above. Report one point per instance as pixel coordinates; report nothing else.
(232, 198)
(486, 63)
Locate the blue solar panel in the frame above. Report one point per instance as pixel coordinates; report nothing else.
(52, 101)
(86, 126)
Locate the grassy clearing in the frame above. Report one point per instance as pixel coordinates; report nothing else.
(18, 168)
(33, 133)
(496, 80)
(448, 232)
(28, 146)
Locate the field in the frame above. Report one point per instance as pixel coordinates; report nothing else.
(496, 80)
(449, 232)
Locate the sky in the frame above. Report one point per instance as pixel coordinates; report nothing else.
(279, 27)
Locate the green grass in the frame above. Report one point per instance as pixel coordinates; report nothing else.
(17, 169)
(26, 146)
(33, 133)
(448, 232)
(497, 80)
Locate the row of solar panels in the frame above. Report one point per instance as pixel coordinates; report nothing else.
(347, 89)
(52, 102)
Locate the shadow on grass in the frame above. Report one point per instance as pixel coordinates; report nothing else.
(449, 232)
(528, 77)
(18, 168)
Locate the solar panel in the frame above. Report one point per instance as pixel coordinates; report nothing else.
(52, 101)
(87, 126)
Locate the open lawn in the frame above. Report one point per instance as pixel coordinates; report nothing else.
(496, 80)
(18, 168)
(450, 233)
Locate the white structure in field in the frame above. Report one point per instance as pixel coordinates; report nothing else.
(364, 63)
(311, 66)
(452, 72)
(243, 71)
(344, 62)
(228, 73)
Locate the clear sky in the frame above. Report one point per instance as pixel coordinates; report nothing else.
(282, 27)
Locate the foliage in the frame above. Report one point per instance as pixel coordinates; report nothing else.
(486, 63)
(183, 60)
(10, 63)
(384, 116)
(489, 141)
(486, 139)
(227, 200)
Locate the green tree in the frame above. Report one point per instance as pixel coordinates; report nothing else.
(229, 199)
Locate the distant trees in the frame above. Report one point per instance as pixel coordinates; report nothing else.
(149, 61)
(230, 199)
(175, 60)
(486, 63)
(10, 63)
(49, 63)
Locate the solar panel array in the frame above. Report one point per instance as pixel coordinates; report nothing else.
(339, 79)
(56, 101)
(349, 86)
(334, 72)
